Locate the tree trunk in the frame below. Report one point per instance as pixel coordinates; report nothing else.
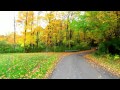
(14, 34)
(25, 31)
(37, 39)
(32, 34)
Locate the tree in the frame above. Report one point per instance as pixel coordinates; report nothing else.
(70, 29)
(14, 32)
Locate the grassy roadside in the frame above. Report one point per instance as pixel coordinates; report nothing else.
(30, 65)
(106, 62)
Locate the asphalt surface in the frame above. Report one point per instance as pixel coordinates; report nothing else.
(76, 67)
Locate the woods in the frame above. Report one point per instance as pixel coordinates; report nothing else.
(64, 30)
(36, 41)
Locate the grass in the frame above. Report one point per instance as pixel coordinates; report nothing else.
(109, 62)
(26, 65)
(29, 65)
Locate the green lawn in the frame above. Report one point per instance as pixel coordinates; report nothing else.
(26, 65)
(29, 65)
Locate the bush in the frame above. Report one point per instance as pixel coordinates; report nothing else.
(102, 48)
(84, 46)
(112, 46)
(116, 57)
(57, 48)
(19, 49)
(9, 48)
(5, 47)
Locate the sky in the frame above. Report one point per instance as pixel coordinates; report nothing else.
(6, 22)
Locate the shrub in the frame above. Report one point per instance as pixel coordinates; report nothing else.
(116, 57)
(84, 46)
(5, 47)
(112, 46)
(102, 48)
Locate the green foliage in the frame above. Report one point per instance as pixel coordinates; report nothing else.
(108, 57)
(9, 48)
(84, 45)
(116, 57)
(19, 49)
(65, 30)
(5, 47)
(102, 48)
(112, 46)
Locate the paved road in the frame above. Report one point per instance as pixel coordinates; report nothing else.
(76, 67)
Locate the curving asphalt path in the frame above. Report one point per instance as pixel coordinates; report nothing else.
(76, 67)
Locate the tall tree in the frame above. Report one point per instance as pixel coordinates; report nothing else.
(14, 32)
(23, 21)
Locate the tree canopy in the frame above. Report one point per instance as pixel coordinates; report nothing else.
(74, 30)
